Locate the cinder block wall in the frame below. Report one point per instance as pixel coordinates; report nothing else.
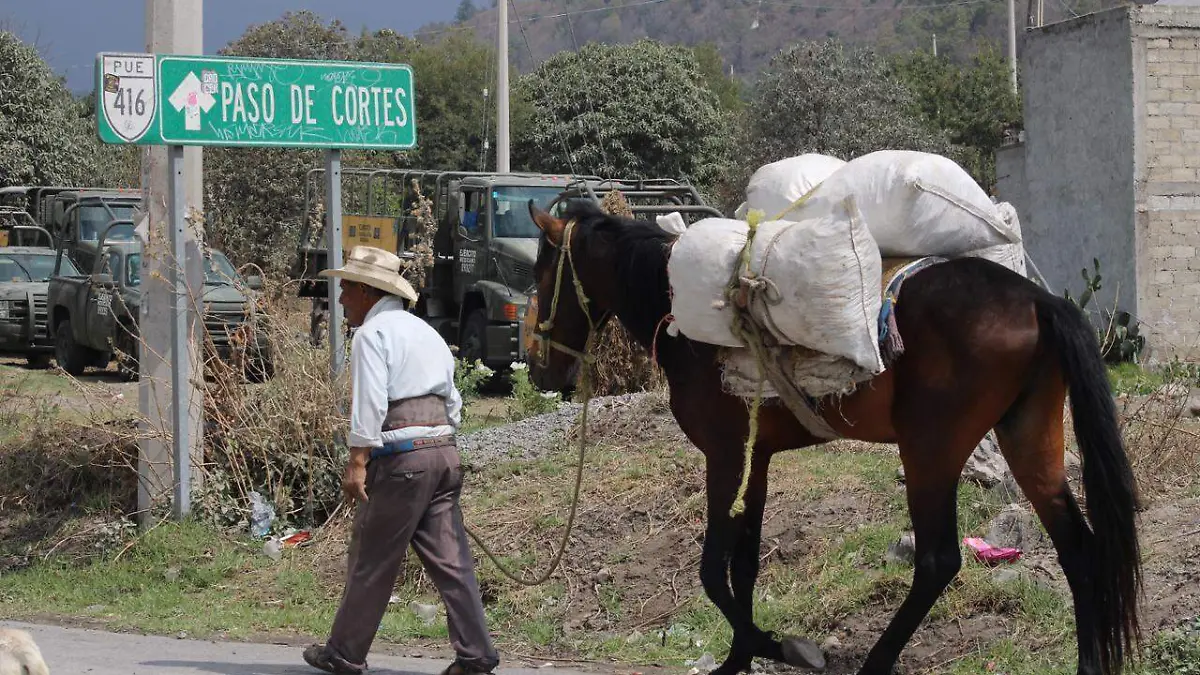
(1078, 95)
(1166, 50)
(1112, 164)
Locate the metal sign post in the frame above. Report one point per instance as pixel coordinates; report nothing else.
(333, 229)
(180, 303)
(176, 100)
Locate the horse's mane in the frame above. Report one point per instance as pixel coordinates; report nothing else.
(641, 254)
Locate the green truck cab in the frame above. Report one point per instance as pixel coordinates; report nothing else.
(484, 245)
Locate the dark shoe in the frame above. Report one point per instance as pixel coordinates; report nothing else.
(459, 668)
(324, 658)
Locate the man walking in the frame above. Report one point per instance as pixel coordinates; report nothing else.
(403, 471)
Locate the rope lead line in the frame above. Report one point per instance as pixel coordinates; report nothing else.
(585, 386)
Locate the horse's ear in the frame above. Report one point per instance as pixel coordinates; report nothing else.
(553, 227)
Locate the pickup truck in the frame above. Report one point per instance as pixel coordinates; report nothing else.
(93, 317)
(25, 273)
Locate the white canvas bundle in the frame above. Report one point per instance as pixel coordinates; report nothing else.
(1011, 256)
(775, 186)
(914, 204)
(823, 283)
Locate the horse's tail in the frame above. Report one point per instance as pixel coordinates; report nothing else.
(1107, 479)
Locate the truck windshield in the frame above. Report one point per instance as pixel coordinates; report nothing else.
(28, 267)
(218, 271)
(510, 210)
(93, 218)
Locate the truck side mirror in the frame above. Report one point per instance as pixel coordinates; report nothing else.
(254, 283)
(462, 232)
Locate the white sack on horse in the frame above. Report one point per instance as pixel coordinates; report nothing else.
(775, 186)
(818, 283)
(914, 203)
(1011, 256)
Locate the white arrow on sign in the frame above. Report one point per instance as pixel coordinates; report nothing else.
(190, 96)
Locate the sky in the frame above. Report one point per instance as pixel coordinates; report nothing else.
(69, 33)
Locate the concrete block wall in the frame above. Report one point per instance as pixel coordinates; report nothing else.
(1111, 164)
(1167, 70)
(1078, 156)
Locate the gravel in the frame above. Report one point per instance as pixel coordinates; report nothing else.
(540, 435)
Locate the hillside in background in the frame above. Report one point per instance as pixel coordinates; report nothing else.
(747, 33)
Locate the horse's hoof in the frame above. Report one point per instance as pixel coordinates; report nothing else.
(802, 653)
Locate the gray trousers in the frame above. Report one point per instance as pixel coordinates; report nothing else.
(412, 498)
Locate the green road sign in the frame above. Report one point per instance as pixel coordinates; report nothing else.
(167, 99)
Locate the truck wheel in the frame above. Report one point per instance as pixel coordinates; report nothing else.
(71, 356)
(472, 344)
(126, 353)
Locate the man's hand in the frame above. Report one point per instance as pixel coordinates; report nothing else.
(354, 481)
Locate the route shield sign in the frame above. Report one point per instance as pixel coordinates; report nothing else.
(231, 101)
(127, 97)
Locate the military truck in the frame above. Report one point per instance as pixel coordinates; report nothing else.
(97, 298)
(93, 316)
(484, 247)
(25, 273)
(79, 215)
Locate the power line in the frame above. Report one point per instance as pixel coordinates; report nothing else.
(513, 4)
(561, 138)
(897, 8)
(588, 97)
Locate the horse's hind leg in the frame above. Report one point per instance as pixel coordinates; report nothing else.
(932, 461)
(1031, 438)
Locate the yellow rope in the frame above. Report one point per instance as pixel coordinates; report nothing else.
(548, 324)
(743, 268)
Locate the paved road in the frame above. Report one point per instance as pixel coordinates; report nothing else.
(75, 651)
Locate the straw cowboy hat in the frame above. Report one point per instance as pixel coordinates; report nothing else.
(374, 267)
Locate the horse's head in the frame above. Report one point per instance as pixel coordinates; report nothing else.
(567, 316)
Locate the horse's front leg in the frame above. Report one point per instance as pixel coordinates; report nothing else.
(731, 544)
(744, 570)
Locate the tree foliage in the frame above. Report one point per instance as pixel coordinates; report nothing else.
(712, 67)
(45, 137)
(452, 113)
(253, 196)
(466, 10)
(973, 103)
(637, 110)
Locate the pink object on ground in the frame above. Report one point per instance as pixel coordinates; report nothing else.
(991, 555)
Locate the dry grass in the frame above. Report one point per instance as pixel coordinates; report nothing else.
(1162, 438)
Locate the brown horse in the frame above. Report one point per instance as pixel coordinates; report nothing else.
(984, 348)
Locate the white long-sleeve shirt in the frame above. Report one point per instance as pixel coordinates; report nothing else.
(395, 355)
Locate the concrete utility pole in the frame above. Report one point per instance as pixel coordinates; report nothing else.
(172, 27)
(502, 87)
(1012, 42)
